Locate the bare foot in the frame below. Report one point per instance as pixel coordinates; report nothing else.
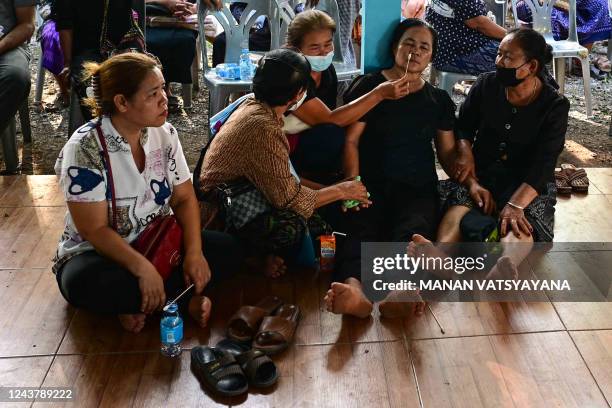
(343, 298)
(274, 266)
(199, 309)
(132, 322)
(401, 304)
(421, 246)
(503, 269)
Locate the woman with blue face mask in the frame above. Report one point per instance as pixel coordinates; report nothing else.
(315, 128)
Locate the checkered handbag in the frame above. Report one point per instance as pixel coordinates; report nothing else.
(242, 202)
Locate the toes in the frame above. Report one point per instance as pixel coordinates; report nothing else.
(418, 238)
(338, 288)
(419, 309)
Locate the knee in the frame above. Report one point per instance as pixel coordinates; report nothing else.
(17, 79)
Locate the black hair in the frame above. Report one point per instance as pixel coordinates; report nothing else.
(410, 23)
(280, 75)
(533, 45)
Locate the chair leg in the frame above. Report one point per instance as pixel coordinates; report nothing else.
(559, 73)
(586, 79)
(217, 99)
(9, 147)
(75, 117)
(195, 69)
(187, 93)
(446, 83)
(40, 82)
(24, 120)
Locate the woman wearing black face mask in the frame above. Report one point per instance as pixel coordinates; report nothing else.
(514, 122)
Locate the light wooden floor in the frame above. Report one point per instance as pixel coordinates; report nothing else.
(492, 355)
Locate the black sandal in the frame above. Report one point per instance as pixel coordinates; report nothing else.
(218, 371)
(259, 369)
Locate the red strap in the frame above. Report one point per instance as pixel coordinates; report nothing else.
(109, 172)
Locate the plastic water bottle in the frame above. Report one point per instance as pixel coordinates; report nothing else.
(171, 328)
(246, 66)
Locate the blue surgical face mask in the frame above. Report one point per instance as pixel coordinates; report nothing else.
(320, 63)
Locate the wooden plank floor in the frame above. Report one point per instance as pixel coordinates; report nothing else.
(529, 353)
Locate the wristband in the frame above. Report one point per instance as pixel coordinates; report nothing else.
(518, 207)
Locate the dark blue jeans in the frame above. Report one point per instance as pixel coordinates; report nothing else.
(475, 63)
(14, 90)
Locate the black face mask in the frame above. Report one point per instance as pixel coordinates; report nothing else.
(507, 76)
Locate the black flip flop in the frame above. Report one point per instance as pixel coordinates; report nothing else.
(259, 369)
(233, 347)
(219, 371)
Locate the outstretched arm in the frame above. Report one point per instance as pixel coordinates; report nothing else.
(315, 112)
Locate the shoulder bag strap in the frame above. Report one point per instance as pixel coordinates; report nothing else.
(109, 172)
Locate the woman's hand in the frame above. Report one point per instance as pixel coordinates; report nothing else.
(514, 218)
(64, 77)
(464, 165)
(184, 9)
(394, 89)
(177, 6)
(482, 197)
(196, 271)
(151, 287)
(413, 8)
(354, 190)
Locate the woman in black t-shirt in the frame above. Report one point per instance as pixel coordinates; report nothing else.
(390, 147)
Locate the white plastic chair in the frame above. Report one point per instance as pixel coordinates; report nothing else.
(446, 80)
(570, 48)
(235, 34)
(498, 8)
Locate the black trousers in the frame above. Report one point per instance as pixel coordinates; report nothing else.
(398, 212)
(98, 284)
(319, 150)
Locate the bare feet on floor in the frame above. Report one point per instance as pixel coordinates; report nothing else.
(343, 298)
(133, 323)
(402, 304)
(504, 269)
(199, 309)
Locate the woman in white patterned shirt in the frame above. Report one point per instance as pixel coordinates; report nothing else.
(95, 265)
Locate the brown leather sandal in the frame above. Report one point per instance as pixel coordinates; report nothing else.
(244, 323)
(276, 332)
(562, 182)
(578, 179)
